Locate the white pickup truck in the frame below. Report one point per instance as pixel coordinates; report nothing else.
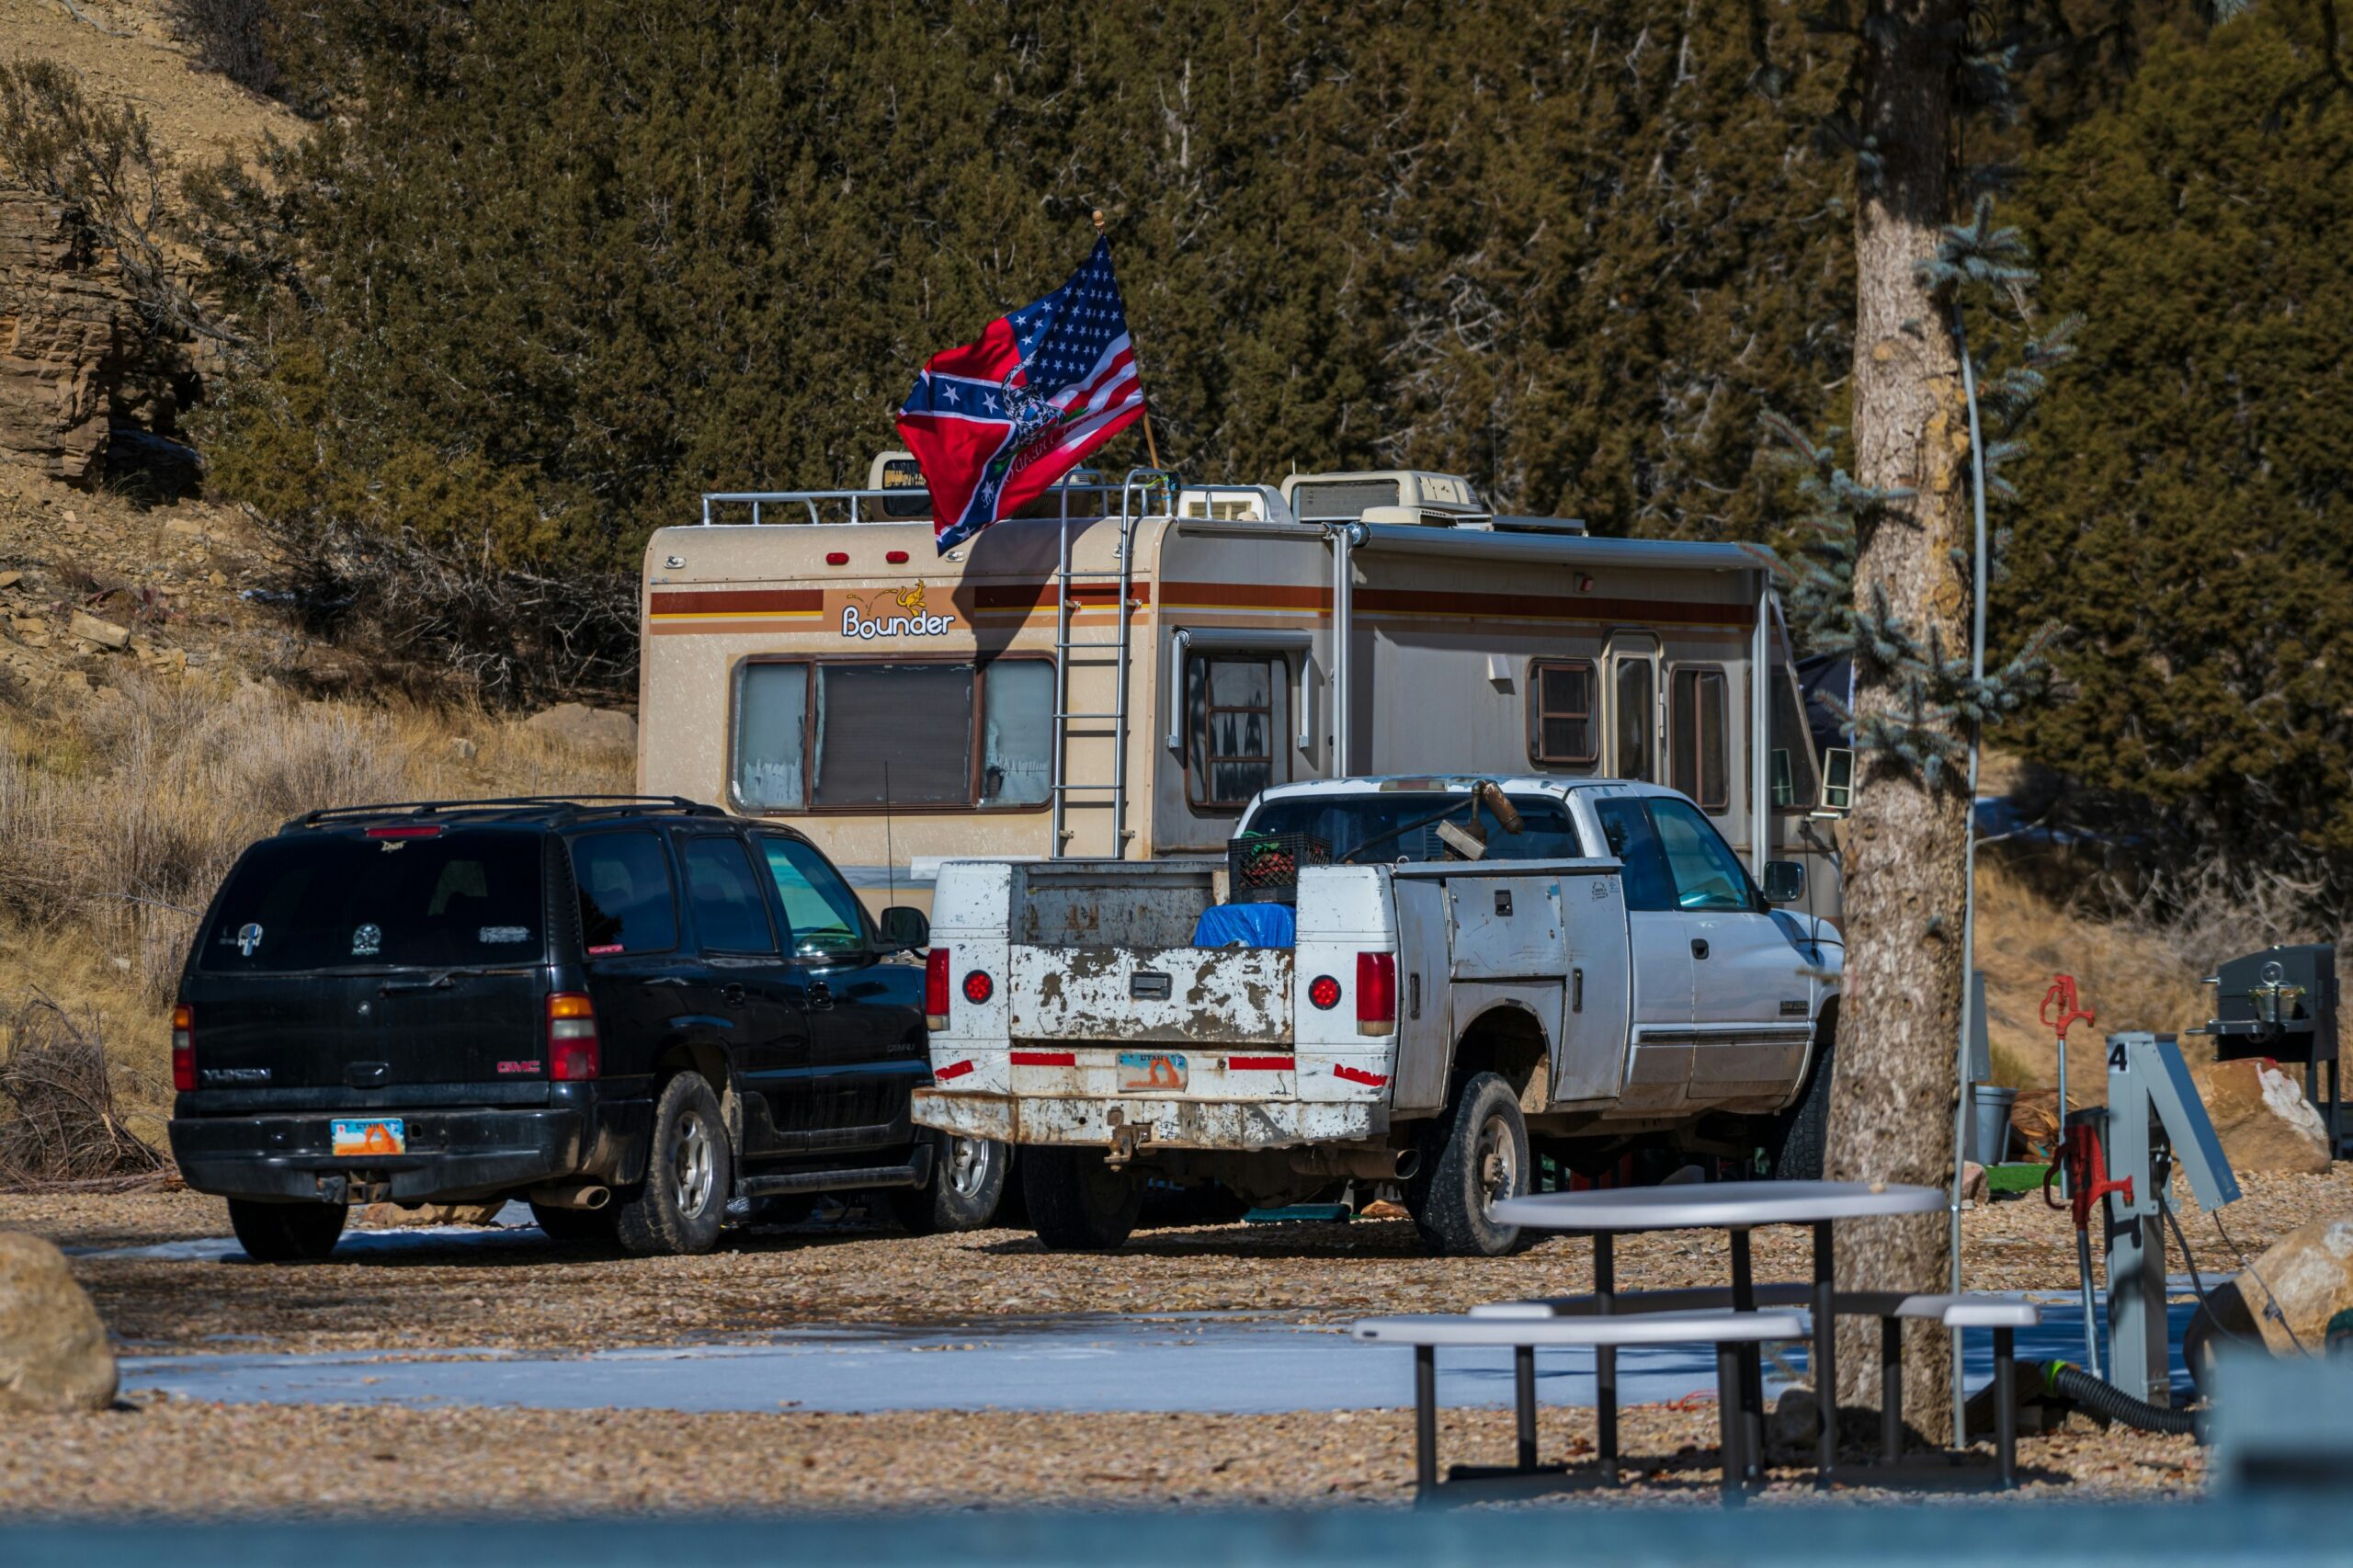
(1467, 971)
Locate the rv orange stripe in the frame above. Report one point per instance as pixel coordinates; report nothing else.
(1037, 595)
(1243, 596)
(741, 601)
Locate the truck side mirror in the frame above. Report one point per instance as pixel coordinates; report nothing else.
(1784, 881)
(1837, 780)
(905, 929)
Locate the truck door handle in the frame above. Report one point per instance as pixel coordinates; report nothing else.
(733, 994)
(820, 995)
(1698, 947)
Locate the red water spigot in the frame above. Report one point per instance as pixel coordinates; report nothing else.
(2087, 1167)
(2061, 1011)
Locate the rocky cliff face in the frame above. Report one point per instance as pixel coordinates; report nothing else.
(66, 330)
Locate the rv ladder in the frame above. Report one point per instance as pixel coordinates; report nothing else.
(1068, 576)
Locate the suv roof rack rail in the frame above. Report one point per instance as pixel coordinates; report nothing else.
(326, 815)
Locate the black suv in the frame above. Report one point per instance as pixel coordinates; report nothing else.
(629, 1011)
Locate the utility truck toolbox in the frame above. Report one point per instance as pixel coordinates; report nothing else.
(1478, 963)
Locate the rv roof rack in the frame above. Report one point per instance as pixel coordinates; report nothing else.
(506, 805)
(839, 509)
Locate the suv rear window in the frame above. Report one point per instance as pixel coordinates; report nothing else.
(344, 902)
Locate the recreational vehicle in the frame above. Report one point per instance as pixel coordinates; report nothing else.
(1119, 672)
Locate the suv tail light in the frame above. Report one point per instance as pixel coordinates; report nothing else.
(935, 989)
(183, 1049)
(1376, 993)
(572, 1038)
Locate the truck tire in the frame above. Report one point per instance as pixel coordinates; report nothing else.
(1077, 1203)
(593, 1226)
(1475, 1155)
(690, 1172)
(1797, 1140)
(967, 1183)
(287, 1232)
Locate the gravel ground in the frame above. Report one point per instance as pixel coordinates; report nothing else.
(528, 1295)
(182, 1458)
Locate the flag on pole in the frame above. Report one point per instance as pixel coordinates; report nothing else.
(994, 423)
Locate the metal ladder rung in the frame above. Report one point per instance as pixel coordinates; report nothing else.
(1066, 716)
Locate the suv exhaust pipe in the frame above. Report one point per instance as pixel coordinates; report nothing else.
(1361, 1164)
(574, 1196)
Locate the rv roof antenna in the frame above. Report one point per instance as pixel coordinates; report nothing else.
(1151, 446)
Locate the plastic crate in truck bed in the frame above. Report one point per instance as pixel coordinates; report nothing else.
(1263, 868)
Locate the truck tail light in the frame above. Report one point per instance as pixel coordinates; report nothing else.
(1376, 993)
(979, 987)
(183, 1049)
(572, 1038)
(935, 988)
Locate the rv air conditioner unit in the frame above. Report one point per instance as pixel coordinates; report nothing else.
(1386, 496)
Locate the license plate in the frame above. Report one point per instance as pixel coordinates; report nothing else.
(389, 1136)
(1150, 1072)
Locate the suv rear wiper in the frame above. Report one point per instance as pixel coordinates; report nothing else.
(439, 981)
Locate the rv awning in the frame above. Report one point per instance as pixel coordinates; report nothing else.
(1565, 549)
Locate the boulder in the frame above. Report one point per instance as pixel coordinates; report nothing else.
(2306, 1274)
(577, 724)
(2262, 1118)
(53, 1353)
(105, 633)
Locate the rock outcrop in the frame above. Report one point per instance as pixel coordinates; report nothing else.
(67, 328)
(54, 1352)
(577, 724)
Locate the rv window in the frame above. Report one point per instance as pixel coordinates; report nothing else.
(771, 720)
(1560, 713)
(1795, 782)
(1232, 734)
(1636, 717)
(847, 735)
(1696, 736)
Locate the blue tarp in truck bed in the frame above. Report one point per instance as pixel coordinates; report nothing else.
(1247, 925)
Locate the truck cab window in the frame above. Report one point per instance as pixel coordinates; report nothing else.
(626, 904)
(729, 914)
(1232, 704)
(1707, 875)
(1696, 736)
(1627, 826)
(818, 904)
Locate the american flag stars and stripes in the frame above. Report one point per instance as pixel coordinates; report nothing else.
(994, 422)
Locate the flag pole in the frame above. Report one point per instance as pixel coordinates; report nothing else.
(1151, 448)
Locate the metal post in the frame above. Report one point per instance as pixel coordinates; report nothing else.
(1752, 1360)
(1523, 1375)
(1605, 1359)
(1343, 534)
(1826, 1353)
(1425, 1419)
(1760, 731)
(1968, 862)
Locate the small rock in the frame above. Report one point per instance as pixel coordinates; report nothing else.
(2262, 1118)
(463, 749)
(187, 528)
(218, 579)
(10, 579)
(1382, 1208)
(53, 1354)
(393, 1217)
(1973, 1182)
(71, 515)
(577, 724)
(105, 633)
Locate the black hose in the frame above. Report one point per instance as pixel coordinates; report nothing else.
(2107, 1400)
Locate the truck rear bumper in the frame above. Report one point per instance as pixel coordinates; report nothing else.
(1174, 1124)
(451, 1154)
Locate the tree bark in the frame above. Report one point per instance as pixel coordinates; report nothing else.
(1896, 1083)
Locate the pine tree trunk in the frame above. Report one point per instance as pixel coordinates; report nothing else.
(1892, 1097)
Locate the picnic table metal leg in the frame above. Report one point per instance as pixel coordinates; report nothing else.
(1826, 1354)
(1523, 1369)
(1731, 1419)
(1605, 1359)
(1751, 1387)
(1891, 1389)
(1424, 1420)
(2006, 1408)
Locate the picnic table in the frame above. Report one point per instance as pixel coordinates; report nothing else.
(1735, 1207)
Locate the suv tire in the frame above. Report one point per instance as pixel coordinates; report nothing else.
(1797, 1139)
(1475, 1155)
(592, 1226)
(1077, 1203)
(966, 1185)
(287, 1232)
(689, 1172)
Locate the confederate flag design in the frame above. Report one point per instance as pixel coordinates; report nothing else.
(994, 423)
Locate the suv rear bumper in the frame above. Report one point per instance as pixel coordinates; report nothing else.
(1174, 1123)
(452, 1154)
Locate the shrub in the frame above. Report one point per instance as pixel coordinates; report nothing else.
(59, 1121)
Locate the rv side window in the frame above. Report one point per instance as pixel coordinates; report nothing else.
(1560, 713)
(1795, 781)
(1232, 700)
(1635, 718)
(1696, 736)
(857, 734)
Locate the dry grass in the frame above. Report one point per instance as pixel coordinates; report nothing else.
(60, 1124)
(122, 816)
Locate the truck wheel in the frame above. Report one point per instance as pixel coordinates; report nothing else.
(688, 1174)
(1077, 1203)
(1797, 1140)
(967, 1183)
(286, 1233)
(1480, 1158)
(589, 1225)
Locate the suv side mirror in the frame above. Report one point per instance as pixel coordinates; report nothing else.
(905, 929)
(1837, 780)
(1784, 881)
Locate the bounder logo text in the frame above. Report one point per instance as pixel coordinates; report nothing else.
(913, 619)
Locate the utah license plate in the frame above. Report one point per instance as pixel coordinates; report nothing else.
(387, 1136)
(1150, 1072)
